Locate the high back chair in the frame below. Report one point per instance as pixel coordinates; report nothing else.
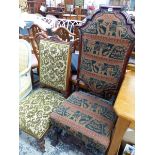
(107, 39)
(34, 110)
(25, 83)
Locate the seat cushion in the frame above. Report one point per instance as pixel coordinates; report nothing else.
(91, 116)
(34, 111)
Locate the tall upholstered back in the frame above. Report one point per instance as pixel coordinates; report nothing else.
(55, 64)
(107, 39)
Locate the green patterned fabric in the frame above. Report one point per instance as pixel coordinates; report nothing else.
(90, 116)
(34, 111)
(53, 64)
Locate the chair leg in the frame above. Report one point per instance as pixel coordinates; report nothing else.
(41, 144)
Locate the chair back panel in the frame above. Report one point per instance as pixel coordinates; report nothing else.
(54, 64)
(107, 39)
(63, 33)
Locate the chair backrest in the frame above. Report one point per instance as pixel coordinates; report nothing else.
(34, 29)
(64, 33)
(107, 39)
(35, 32)
(55, 64)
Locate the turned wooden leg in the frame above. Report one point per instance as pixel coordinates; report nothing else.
(41, 144)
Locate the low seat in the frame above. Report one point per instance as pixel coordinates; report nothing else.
(88, 116)
(34, 110)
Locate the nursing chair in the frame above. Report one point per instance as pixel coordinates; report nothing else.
(34, 110)
(25, 84)
(107, 40)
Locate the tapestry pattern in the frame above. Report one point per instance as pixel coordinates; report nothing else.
(106, 41)
(105, 44)
(35, 109)
(88, 115)
(53, 64)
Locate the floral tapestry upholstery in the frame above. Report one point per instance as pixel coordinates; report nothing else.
(34, 111)
(54, 58)
(88, 117)
(107, 40)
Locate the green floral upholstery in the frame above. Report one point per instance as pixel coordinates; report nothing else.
(53, 64)
(87, 115)
(34, 111)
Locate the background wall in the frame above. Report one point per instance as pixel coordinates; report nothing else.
(96, 3)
